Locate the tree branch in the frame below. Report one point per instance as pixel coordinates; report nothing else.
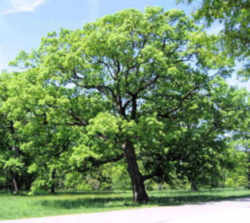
(97, 163)
(185, 97)
(77, 121)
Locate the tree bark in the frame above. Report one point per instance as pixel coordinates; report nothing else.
(137, 181)
(53, 183)
(248, 170)
(194, 186)
(15, 185)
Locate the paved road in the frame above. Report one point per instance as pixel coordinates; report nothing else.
(234, 211)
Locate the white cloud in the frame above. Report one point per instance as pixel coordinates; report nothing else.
(23, 6)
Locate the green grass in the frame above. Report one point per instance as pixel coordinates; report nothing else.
(22, 206)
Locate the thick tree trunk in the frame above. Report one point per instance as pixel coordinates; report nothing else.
(137, 181)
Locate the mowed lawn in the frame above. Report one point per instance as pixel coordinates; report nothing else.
(21, 206)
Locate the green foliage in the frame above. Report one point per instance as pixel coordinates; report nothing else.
(235, 17)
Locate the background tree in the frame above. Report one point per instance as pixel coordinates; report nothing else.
(200, 150)
(13, 161)
(235, 17)
(240, 142)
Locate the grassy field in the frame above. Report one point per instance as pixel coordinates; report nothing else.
(21, 206)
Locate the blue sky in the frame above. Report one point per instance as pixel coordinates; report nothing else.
(24, 22)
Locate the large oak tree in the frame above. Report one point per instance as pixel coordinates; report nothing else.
(123, 87)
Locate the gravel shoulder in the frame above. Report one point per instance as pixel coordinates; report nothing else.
(230, 211)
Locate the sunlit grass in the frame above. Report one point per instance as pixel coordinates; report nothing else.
(22, 206)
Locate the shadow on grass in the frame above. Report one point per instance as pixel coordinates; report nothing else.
(89, 203)
(191, 199)
(121, 201)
